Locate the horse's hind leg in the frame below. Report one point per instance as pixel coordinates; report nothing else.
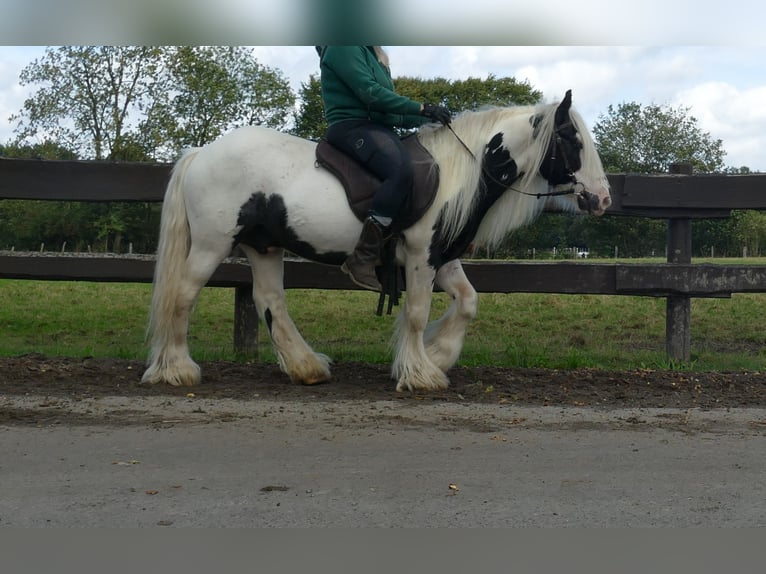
(169, 361)
(444, 337)
(296, 358)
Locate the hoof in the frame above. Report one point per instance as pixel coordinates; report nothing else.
(315, 372)
(315, 381)
(438, 382)
(188, 376)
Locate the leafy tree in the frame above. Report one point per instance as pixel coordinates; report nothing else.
(637, 139)
(48, 149)
(647, 139)
(742, 170)
(88, 96)
(142, 102)
(309, 118)
(457, 95)
(749, 229)
(468, 94)
(215, 89)
(128, 103)
(27, 224)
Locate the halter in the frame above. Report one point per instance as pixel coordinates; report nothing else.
(580, 193)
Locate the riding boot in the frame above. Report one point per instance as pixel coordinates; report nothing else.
(360, 265)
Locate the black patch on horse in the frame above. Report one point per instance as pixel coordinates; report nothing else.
(264, 225)
(498, 172)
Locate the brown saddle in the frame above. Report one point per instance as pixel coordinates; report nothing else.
(361, 185)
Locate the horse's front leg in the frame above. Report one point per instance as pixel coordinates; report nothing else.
(412, 368)
(444, 337)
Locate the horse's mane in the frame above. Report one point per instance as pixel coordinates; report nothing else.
(460, 174)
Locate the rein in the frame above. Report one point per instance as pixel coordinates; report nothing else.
(462, 142)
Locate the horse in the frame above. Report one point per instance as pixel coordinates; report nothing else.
(262, 190)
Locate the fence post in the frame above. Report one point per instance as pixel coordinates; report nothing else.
(245, 322)
(678, 307)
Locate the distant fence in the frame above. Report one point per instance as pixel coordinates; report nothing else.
(678, 197)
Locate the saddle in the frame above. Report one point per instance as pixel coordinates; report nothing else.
(361, 185)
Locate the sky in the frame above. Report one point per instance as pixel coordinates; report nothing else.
(704, 56)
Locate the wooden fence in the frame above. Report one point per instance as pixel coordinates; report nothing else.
(678, 197)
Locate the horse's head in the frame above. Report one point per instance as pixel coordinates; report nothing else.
(571, 165)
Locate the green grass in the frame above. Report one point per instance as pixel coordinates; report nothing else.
(526, 330)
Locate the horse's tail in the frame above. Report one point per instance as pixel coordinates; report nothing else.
(172, 251)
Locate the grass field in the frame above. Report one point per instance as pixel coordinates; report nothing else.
(523, 330)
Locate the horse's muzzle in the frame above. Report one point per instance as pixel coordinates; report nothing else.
(592, 203)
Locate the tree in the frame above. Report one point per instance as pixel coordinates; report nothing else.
(646, 139)
(215, 89)
(142, 102)
(468, 94)
(88, 96)
(127, 103)
(48, 149)
(309, 120)
(750, 230)
(457, 95)
(25, 224)
(636, 139)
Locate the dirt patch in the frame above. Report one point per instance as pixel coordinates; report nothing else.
(74, 379)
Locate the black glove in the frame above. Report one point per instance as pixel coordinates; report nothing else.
(437, 113)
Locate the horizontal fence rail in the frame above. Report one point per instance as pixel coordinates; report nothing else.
(658, 196)
(678, 197)
(660, 279)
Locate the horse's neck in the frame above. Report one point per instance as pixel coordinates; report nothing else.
(466, 210)
(515, 145)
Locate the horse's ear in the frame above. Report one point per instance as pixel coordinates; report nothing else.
(562, 112)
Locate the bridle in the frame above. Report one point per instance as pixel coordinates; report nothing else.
(582, 194)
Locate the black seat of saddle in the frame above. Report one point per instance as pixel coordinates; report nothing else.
(360, 184)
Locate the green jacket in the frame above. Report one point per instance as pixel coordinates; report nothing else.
(356, 86)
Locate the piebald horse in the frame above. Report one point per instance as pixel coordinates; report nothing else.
(262, 190)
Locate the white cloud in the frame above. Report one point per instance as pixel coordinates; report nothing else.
(736, 116)
(13, 59)
(725, 87)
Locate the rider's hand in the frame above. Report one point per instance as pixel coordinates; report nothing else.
(437, 113)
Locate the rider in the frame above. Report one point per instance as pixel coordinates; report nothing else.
(362, 109)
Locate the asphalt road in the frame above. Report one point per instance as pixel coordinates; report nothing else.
(186, 462)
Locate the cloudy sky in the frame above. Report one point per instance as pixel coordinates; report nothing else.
(703, 55)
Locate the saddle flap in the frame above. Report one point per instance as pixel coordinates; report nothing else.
(360, 184)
